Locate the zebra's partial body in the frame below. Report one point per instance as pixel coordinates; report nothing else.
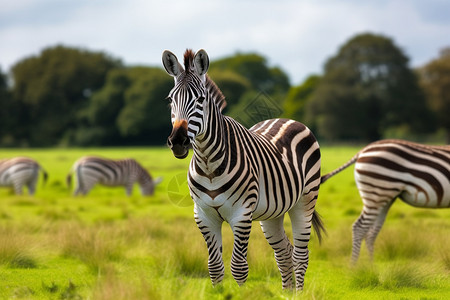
(19, 172)
(91, 170)
(389, 169)
(238, 175)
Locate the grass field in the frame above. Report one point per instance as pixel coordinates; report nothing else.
(109, 246)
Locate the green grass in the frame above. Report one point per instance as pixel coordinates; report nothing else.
(109, 246)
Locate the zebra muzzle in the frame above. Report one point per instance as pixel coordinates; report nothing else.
(178, 140)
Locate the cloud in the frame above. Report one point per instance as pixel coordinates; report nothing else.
(296, 35)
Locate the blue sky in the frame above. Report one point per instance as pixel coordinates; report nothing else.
(297, 36)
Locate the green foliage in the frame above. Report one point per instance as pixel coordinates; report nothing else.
(129, 109)
(69, 96)
(435, 79)
(146, 112)
(232, 85)
(368, 88)
(255, 69)
(298, 96)
(53, 87)
(254, 91)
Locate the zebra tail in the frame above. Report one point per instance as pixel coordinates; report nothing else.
(341, 168)
(318, 225)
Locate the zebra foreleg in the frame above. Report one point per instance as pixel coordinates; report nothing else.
(282, 247)
(129, 189)
(31, 189)
(239, 265)
(32, 184)
(18, 188)
(211, 229)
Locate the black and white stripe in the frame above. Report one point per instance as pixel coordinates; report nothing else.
(389, 169)
(91, 170)
(239, 175)
(20, 171)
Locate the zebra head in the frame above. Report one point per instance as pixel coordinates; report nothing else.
(186, 99)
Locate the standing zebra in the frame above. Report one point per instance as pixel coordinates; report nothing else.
(239, 175)
(387, 169)
(125, 172)
(19, 171)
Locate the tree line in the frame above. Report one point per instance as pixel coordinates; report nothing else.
(76, 97)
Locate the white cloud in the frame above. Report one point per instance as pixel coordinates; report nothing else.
(297, 35)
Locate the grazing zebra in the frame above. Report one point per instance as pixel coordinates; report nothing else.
(239, 175)
(125, 172)
(19, 171)
(387, 169)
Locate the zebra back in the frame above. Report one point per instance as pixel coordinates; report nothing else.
(22, 164)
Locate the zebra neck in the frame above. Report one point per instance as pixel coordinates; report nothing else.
(210, 149)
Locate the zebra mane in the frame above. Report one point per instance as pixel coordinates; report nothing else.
(188, 60)
(213, 90)
(215, 93)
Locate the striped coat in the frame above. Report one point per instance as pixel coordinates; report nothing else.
(19, 172)
(389, 169)
(91, 170)
(237, 175)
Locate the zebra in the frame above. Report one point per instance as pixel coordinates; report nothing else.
(125, 172)
(240, 175)
(389, 169)
(21, 171)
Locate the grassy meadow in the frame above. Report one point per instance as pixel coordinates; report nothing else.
(109, 246)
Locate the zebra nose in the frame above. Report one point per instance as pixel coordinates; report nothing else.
(178, 141)
(178, 137)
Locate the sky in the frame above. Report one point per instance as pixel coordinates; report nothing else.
(296, 35)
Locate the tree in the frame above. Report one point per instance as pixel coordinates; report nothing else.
(435, 79)
(129, 109)
(298, 96)
(232, 85)
(146, 114)
(253, 90)
(54, 86)
(367, 89)
(7, 111)
(254, 68)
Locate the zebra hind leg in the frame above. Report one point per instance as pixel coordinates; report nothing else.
(375, 229)
(276, 236)
(301, 219)
(32, 183)
(361, 227)
(84, 185)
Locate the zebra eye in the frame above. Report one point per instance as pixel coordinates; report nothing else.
(200, 99)
(169, 99)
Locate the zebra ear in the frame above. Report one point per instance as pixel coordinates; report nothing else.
(201, 62)
(171, 64)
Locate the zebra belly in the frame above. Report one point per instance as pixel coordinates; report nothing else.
(269, 205)
(422, 199)
(22, 176)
